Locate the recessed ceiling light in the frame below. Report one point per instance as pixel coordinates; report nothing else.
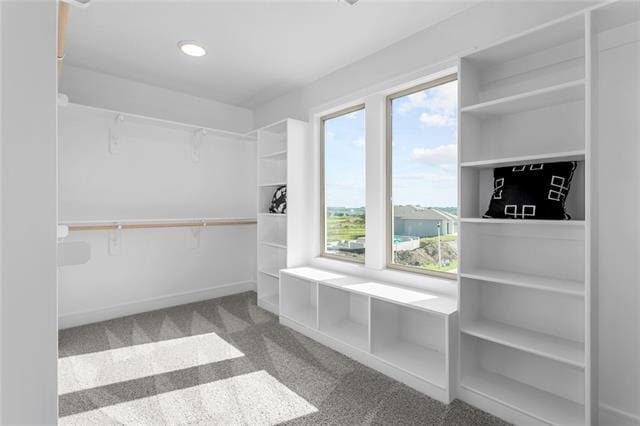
(192, 48)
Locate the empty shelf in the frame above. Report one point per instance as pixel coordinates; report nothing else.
(272, 272)
(534, 402)
(536, 99)
(420, 361)
(541, 344)
(305, 316)
(575, 288)
(276, 245)
(349, 332)
(511, 161)
(277, 155)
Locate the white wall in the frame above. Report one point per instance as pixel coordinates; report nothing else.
(28, 336)
(477, 26)
(89, 87)
(152, 177)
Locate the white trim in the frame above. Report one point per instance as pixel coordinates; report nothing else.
(612, 416)
(89, 316)
(443, 286)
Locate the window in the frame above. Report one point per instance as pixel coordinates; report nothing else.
(422, 155)
(343, 184)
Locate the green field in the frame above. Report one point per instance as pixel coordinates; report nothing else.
(445, 238)
(345, 227)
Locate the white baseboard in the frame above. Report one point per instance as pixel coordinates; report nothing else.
(611, 416)
(74, 319)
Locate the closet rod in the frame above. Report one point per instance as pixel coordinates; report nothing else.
(118, 225)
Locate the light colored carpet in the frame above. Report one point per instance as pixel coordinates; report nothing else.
(228, 362)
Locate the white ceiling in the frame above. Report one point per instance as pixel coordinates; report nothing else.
(257, 50)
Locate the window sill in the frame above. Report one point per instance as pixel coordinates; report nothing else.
(414, 279)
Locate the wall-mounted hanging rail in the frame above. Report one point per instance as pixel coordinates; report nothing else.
(159, 122)
(107, 225)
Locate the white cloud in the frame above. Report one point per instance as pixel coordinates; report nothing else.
(414, 100)
(358, 142)
(440, 176)
(440, 105)
(437, 120)
(443, 154)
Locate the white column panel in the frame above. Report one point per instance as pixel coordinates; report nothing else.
(28, 212)
(376, 182)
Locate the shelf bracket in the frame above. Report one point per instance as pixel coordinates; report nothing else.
(196, 143)
(115, 134)
(115, 241)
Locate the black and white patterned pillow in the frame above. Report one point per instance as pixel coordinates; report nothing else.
(531, 191)
(279, 200)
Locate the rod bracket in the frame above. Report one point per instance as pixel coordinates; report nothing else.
(196, 143)
(115, 134)
(115, 240)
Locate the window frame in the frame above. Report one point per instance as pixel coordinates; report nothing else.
(389, 176)
(323, 225)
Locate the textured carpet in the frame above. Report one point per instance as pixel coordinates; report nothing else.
(226, 361)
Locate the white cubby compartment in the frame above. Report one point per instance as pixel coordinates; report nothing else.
(409, 339)
(268, 288)
(265, 195)
(527, 254)
(299, 300)
(542, 59)
(344, 316)
(272, 230)
(476, 189)
(533, 320)
(547, 390)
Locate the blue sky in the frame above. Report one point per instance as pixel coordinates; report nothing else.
(424, 152)
(344, 149)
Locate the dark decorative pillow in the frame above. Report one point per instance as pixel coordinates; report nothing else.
(279, 200)
(531, 191)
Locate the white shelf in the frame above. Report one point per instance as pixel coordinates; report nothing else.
(552, 347)
(277, 155)
(417, 360)
(305, 316)
(349, 332)
(399, 295)
(512, 161)
(524, 398)
(535, 99)
(578, 223)
(272, 272)
(276, 245)
(571, 287)
(272, 184)
(272, 214)
(538, 39)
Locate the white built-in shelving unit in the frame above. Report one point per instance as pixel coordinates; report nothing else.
(280, 236)
(527, 299)
(403, 332)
